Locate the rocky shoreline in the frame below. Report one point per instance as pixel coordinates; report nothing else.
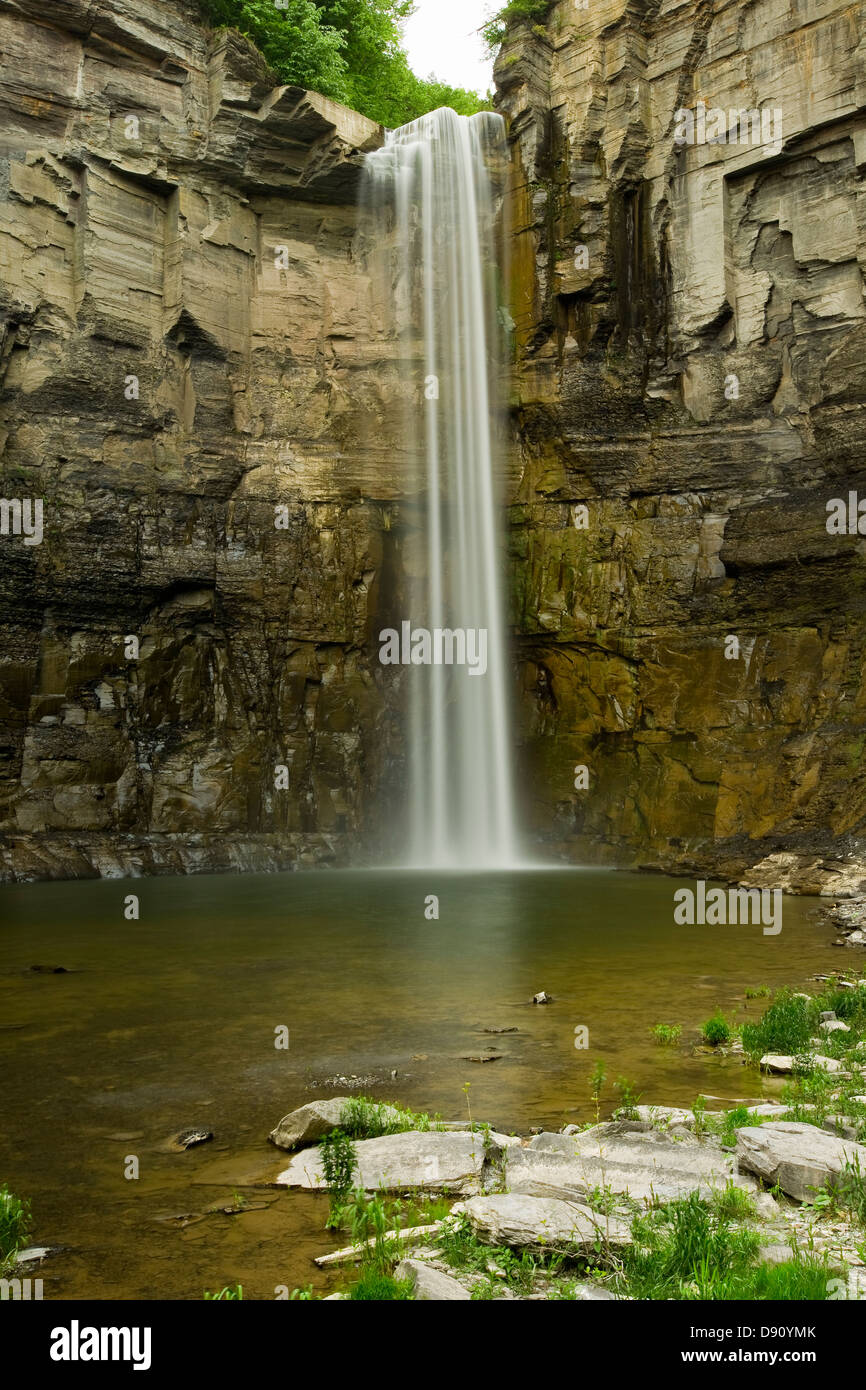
(585, 1212)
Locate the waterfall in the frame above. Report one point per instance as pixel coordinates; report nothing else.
(432, 201)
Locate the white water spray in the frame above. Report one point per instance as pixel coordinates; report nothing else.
(430, 193)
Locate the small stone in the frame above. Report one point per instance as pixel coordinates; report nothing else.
(775, 1254)
(542, 997)
(188, 1138)
(431, 1285)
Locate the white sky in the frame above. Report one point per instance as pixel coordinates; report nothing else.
(441, 38)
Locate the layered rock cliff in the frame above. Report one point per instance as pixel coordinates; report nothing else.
(188, 344)
(198, 384)
(691, 370)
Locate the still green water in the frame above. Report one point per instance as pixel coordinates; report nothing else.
(169, 1022)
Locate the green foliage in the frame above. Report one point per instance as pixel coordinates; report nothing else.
(630, 1099)
(736, 1119)
(847, 1004)
(379, 81)
(351, 50)
(497, 1264)
(496, 28)
(716, 1031)
(762, 992)
(852, 1190)
(301, 49)
(785, 1028)
(14, 1225)
(799, 1280)
(375, 1287)
(733, 1203)
(339, 1162)
(699, 1110)
(597, 1080)
(689, 1250)
(667, 1034)
(362, 1118)
(684, 1251)
(227, 1294)
(370, 1219)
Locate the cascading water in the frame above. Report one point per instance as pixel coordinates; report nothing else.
(430, 194)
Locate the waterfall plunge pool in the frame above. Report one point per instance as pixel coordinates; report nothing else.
(169, 1022)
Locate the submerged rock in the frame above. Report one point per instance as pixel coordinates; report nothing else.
(189, 1138)
(798, 1157)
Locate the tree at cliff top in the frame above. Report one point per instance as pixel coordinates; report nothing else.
(496, 29)
(351, 50)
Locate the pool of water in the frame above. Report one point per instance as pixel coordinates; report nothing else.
(170, 1022)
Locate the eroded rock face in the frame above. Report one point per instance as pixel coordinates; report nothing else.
(189, 341)
(691, 369)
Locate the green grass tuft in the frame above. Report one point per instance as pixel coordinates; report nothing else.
(14, 1225)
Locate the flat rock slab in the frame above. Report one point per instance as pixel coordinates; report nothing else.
(431, 1161)
(799, 1157)
(663, 1116)
(544, 1223)
(644, 1165)
(430, 1285)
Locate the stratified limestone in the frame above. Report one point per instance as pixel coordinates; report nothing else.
(691, 368)
(543, 1224)
(797, 1157)
(427, 1162)
(623, 1158)
(188, 340)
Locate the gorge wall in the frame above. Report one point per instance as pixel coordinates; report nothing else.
(691, 369)
(190, 341)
